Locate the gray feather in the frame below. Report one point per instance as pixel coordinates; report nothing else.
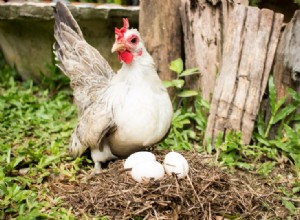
(82, 63)
(90, 75)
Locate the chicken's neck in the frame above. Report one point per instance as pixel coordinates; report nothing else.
(141, 69)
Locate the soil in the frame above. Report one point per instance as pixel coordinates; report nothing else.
(209, 192)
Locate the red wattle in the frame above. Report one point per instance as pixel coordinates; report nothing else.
(125, 56)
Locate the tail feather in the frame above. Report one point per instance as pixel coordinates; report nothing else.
(88, 71)
(63, 15)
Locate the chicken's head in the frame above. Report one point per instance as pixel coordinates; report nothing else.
(128, 43)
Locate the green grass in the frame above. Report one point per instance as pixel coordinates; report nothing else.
(35, 126)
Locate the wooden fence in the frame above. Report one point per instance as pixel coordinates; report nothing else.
(233, 45)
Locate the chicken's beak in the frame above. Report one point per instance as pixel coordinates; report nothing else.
(117, 46)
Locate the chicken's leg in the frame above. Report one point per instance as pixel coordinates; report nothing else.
(99, 156)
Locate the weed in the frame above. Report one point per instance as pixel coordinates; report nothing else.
(34, 130)
(287, 140)
(189, 121)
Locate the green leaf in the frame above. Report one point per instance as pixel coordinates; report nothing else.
(177, 66)
(47, 160)
(297, 117)
(260, 124)
(295, 95)
(262, 139)
(296, 160)
(204, 103)
(167, 83)
(283, 146)
(279, 103)
(178, 83)
(291, 133)
(189, 72)
(284, 113)
(266, 168)
(296, 189)
(289, 205)
(187, 93)
(272, 95)
(246, 166)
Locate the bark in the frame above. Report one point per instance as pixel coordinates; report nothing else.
(287, 62)
(204, 26)
(160, 27)
(250, 43)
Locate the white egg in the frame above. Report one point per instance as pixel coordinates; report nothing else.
(175, 163)
(137, 158)
(143, 172)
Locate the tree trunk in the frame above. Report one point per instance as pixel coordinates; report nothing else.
(287, 62)
(160, 27)
(250, 43)
(204, 26)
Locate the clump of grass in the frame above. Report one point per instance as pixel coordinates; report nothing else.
(35, 128)
(190, 112)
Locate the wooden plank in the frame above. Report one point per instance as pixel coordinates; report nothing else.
(204, 25)
(251, 26)
(160, 27)
(287, 62)
(248, 53)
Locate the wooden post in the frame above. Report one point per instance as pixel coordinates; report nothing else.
(287, 62)
(160, 27)
(204, 25)
(251, 40)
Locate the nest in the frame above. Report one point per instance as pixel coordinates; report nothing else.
(208, 193)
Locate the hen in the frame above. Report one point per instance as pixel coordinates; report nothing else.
(118, 114)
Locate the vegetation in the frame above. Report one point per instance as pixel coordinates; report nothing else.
(34, 127)
(36, 123)
(186, 115)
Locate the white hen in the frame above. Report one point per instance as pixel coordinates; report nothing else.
(118, 113)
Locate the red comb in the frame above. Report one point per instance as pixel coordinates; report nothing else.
(120, 32)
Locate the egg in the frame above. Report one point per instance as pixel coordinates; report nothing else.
(143, 172)
(137, 158)
(175, 163)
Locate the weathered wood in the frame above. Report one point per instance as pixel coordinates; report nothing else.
(160, 27)
(287, 61)
(250, 43)
(204, 26)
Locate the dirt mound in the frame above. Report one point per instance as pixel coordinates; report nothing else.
(208, 193)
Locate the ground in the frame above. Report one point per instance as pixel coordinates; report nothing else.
(209, 192)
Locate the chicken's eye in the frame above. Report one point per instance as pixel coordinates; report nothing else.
(133, 40)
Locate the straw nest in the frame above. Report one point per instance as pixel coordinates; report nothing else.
(207, 193)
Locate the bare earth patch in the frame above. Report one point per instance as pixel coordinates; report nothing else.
(208, 193)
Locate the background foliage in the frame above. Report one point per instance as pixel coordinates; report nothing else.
(35, 125)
